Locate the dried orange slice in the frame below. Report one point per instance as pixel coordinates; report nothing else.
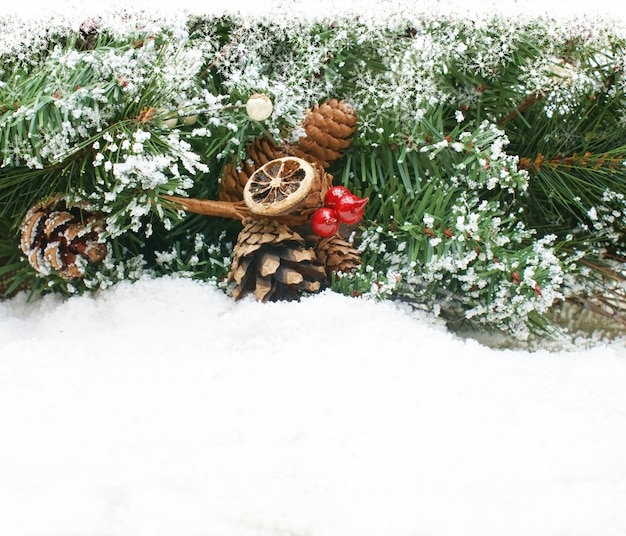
(278, 186)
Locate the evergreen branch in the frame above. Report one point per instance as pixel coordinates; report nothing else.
(492, 154)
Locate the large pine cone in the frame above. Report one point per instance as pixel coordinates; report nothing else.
(337, 255)
(60, 237)
(271, 261)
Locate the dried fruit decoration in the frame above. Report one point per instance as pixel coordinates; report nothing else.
(278, 186)
(328, 130)
(279, 192)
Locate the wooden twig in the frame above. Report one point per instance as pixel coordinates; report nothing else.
(233, 210)
(209, 207)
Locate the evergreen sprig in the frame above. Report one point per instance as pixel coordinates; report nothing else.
(492, 150)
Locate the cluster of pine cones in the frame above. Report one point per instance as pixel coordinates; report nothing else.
(276, 257)
(279, 258)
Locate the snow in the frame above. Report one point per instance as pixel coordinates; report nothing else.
(78, 9)
(164, 408)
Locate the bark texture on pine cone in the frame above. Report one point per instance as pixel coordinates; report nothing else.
(271, 261)
(336, 254)
(329, 128)
(56, 236)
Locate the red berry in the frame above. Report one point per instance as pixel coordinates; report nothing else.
(350, 208)
(333, 194)
(324, 222)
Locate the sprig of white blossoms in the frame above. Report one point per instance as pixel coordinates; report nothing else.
(132, 173)
(469, 247)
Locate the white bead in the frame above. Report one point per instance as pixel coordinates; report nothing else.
(259, 107)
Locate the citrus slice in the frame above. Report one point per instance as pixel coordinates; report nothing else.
(278, 186)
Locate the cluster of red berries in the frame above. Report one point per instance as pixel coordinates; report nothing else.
(340, 206)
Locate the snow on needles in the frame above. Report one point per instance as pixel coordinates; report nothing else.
(163, 408)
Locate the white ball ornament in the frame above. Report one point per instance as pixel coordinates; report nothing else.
(189, 120)
(259, 107)
(170, 119)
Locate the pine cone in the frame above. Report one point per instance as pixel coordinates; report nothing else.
(61, 237)
(88, 34)
(234, 177)
(337, 255)
(329, 128)
(321, 184)
(271, 261)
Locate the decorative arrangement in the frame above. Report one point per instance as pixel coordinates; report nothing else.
(280, 199)
(471, 168)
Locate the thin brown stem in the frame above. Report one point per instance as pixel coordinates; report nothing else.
(209, 207)
(523, 106)
(233, 210)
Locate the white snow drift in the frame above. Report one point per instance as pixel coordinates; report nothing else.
(164, 408)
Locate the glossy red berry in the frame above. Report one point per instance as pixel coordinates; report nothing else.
(333, 194)
(350, 208)
(324, 222)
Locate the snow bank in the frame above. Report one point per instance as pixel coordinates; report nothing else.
(164, 408)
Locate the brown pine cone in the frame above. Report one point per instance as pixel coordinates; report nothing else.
(56, 236)
(337, 255)
(271, 261)
(329, 128)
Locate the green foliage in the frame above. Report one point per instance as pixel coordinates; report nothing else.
(492, 150)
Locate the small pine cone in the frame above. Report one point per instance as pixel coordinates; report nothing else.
(337, 255)
(329, 128)
(271, 261)
(88, 34)
(234, 177)
(61, 237)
